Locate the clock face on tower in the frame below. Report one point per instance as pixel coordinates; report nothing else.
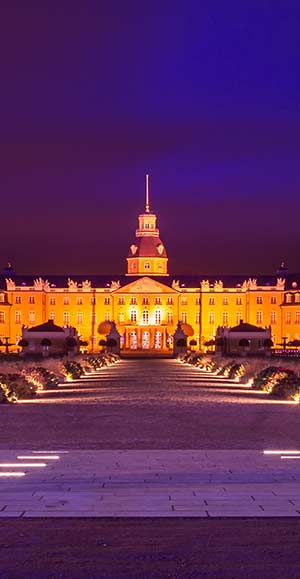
(160, 248)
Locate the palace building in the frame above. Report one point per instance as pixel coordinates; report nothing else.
(147, 302)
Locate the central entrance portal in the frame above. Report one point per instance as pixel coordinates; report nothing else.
(153, 340)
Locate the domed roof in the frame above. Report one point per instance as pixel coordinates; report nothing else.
(147, 246)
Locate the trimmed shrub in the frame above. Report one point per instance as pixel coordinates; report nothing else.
(287, 387)
(72, 370)
(16, 387)
(236, 371)
(41, 378)
(267, 378)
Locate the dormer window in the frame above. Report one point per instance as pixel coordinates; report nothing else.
(288, 298)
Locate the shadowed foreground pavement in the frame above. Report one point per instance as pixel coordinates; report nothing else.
(150, 549)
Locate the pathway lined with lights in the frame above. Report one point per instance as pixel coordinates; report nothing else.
(139, 481)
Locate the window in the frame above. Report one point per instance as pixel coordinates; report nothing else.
(259, 300)
(197, 302)
(79, 301)
(18, 299)
(146, 265)
(93, 301)
(160, 265)
(106, 301)
(133, 301)
(2, 298)
(197, 318)
(225, 318)
(52, 316)
(297, 317)
(121, 317)
(211, 301)
(79, 318)
(184, 317)
(158, 300)
(183, 301)
(225, 301)
(170, 301)
(2, 317)
(121, 301)
(273, 300)
(158, 316)
(297, 298)
(31, 317)
(239, 301)
(52, 301)
(273, 318)
(211, 317)
(93, 318)
(66, 301)
(145, 317)
(287, 317)
(288, 298)
(145, 301)
(238, 317)
(170, 318)
(66, 318)
(31, 299)
(259, 317)
(107, 316)
(133, 315)
(18, 317)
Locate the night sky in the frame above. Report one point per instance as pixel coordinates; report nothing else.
(202, 95)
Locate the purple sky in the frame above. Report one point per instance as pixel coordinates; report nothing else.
(202, 95)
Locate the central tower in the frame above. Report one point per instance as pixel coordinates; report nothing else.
(147, 254)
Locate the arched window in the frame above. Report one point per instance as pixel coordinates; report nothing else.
(133, 315)
(158, 316)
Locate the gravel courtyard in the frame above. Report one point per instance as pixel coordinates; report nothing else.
(150, 404)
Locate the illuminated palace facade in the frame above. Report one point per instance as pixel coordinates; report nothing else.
(147, 303)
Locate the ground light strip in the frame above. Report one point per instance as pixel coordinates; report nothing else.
(50, 457)
(291, 457)
(281, 451)
(18, 464)
(12, 474)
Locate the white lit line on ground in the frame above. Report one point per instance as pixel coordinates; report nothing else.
(18, 464)
(49, 452)
(293, 457)
(50, 457)
(281, 451)
(12, 473)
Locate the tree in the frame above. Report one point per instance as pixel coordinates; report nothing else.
(268, 343)
(23, 343)
(102, 343)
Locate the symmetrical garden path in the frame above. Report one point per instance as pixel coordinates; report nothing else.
(150, 438)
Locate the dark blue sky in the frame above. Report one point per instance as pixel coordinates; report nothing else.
(205, 96)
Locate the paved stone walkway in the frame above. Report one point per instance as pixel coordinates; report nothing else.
(150, 484)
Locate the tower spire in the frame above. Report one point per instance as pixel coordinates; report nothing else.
(147, 194)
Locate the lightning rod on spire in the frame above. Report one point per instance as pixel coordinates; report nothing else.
(147, 194)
